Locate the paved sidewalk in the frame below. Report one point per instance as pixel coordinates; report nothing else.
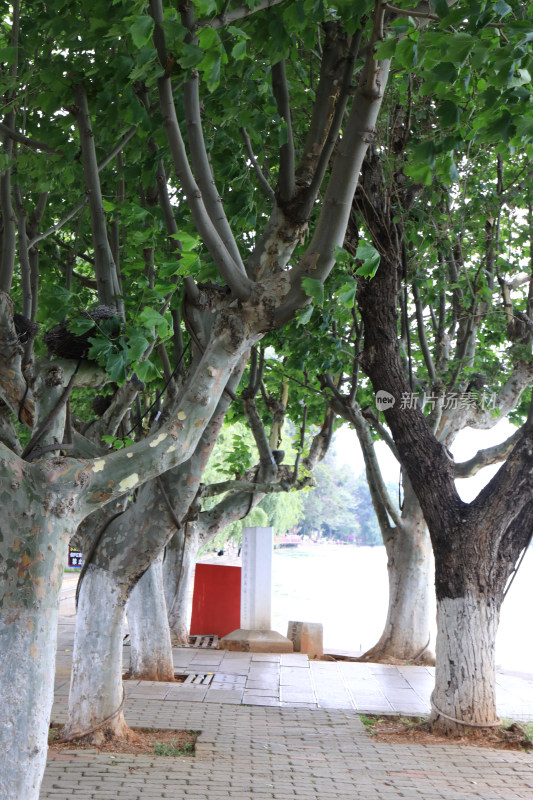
(220, 676)
(278, 727)
(264, 753)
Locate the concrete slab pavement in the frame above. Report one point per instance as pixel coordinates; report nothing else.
(279, 727)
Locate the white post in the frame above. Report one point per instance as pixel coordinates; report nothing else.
(256, 580)
(255, 634)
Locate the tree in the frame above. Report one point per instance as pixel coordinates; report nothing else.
(58, 66)
(339, 507)
(472, 569)
(450, 349)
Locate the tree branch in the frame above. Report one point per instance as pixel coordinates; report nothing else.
(24, 258)
(230, 271)
(332, 136)
(8, 238)
(201, 167)
(257, 169)
(229, 17)
(110, 420)
(321, 442)
(430, 366)
(33, 144)
(261, 487)
(486, 457)
(122, 142)
(255, 422)
(330, 230)
(54, 228)
(13, 386)
(369, 415)
(286, 179)
(104, 265)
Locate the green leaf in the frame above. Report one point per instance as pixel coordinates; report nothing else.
(80, 325)
(406, 53)
(99, 350)
(448, 113)
(188, 242)
(458, 47)
(146, 371)
(342, 256)
(8, 55)
(370, 257)
(141, 30)
(116, 366)
(386, 48)
(137, 344)
(454, 174)
(424, 153)
(207, 38)
(239, 50)
(502, 8)
(524, 127)
(445, 72)
(314, 288)
(205, 7)
(305, 315)
(442, 8)
(347, 294)
(150, 318)
(521, 77)
(190, 56)
(107, 205)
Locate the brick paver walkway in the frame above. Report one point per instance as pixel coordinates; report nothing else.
(265, 753)
(283, 728)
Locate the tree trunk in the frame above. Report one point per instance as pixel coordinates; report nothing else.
(96, 691)
(151, 649)
(465, 671)
(31, 581)
(406, 635)
(178, 570)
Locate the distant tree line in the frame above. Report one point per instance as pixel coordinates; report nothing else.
(340, 507)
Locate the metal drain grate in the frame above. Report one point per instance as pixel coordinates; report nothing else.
(203, 641)
(198, 679)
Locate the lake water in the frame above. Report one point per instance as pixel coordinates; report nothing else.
(345, 588)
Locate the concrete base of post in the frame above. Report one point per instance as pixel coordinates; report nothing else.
(307, 637)
(255, 642)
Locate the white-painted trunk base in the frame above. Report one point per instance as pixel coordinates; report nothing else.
(151, 649)
(465, 674)
(27, 662)
(406, 634)
(96, 682)
(178, 572)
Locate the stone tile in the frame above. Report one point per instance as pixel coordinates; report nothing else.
(294, 659)
(268, 657)
(272, 692)
(265, 683)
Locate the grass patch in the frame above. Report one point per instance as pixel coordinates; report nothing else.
(369, 723)
(138, 741)
(173, 748)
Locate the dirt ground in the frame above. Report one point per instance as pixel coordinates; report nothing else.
(414, 730)
(154, 741)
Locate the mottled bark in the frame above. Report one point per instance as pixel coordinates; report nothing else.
(178, 572)
(96, 691)
(476, 545)
(406, 634)
(34, 544)
(151, 648)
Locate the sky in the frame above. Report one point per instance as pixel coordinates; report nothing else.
(468, 442)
